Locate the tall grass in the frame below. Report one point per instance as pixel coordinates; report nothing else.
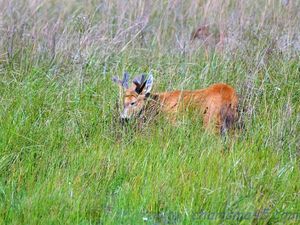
(64, 158)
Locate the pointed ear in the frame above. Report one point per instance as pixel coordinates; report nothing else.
(139, 80)
(140, 88)
(149, 84)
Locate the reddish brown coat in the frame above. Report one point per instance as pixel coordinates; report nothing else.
(217, 104)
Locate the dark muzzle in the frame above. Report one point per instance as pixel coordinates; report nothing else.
(124, 121)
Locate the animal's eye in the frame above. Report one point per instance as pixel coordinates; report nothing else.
(133, 103)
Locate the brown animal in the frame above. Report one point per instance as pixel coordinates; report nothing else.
(217, 104)
(202, 33)
(209, 40)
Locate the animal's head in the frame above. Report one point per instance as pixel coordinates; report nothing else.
(135, 95)
(201, 33)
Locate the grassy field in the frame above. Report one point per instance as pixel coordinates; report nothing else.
(65, 159)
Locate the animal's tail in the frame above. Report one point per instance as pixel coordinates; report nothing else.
(229, 118)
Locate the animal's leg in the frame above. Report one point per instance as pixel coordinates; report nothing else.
(209, 119)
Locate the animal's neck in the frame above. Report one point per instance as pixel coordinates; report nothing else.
(152, 107)
(178, 99)
(153, 101)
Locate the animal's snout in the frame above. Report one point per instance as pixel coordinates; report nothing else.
(124, 118)
(124, 115)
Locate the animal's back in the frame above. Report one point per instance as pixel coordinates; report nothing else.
(222, 103)
(225, 92)
(217, 104)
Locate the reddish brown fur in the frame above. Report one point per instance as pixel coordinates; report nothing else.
(217, 104)
(201, 32)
